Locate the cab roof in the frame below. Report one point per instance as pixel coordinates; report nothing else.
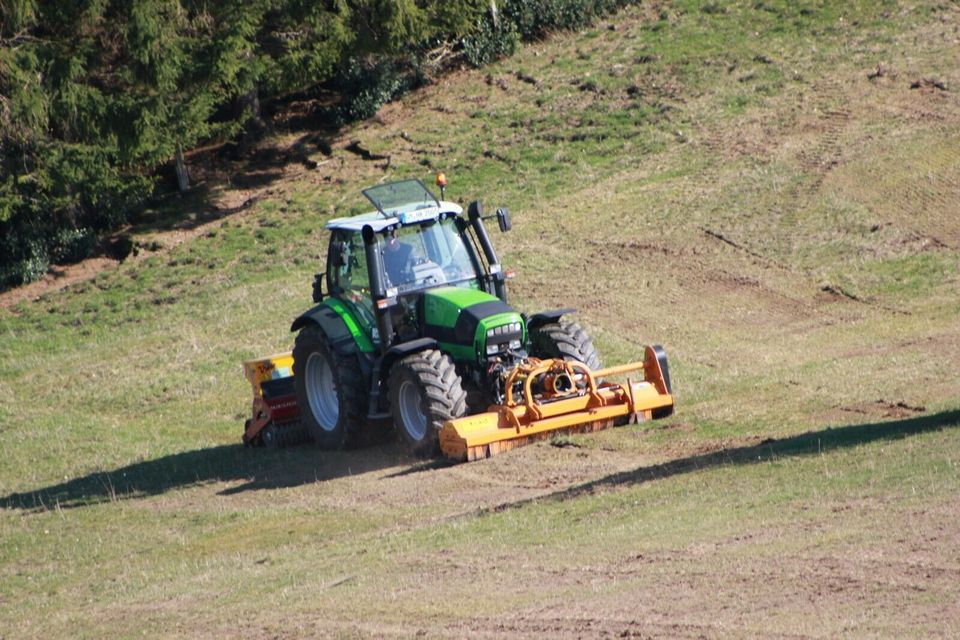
(379, 222)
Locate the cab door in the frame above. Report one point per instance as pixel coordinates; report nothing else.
(349, 278)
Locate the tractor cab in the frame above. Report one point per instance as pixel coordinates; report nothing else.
(384, 265)
(412, 258)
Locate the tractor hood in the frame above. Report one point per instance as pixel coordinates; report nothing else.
(466, 321)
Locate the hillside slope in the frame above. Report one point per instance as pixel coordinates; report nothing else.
(770, 190)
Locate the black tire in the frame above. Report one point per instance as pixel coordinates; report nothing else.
(293, 433)
(330, 391)
(270, 437)
(566, 340)
(425, 391)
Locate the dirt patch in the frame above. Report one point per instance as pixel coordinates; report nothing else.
(58, 277)
(832, 293)
(754, 588)
(945, 346)
(884, 409)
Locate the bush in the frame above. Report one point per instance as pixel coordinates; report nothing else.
(65, 195)
(530, 20)
(26, 258)
(490, 42)
(72, 245)
(534, 19)
(366, 85)
(29, 246)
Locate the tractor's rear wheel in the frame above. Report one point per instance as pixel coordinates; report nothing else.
(566, 340)
(425, 391)
(330, 391)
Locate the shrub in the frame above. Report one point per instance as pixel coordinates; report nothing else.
(72, 245)
(534, 19)
(365, 86)
(489, 42)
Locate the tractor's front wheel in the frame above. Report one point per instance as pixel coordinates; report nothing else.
(330, 391)
(425, 391)
(564, 340)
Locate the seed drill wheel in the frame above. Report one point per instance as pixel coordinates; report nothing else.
(279, 436)
(270, 437)
(566, 340)
(425, 391)
(330, 391)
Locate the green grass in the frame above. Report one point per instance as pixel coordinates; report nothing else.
(694, 177)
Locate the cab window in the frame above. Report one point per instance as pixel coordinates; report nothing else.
(351, 277)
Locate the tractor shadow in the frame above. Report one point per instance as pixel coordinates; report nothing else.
(255, 469)
(258, 469)
(805, 444)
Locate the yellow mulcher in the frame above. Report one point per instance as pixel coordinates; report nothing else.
(414, 331)
(559, 395)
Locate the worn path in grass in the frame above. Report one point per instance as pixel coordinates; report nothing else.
(767, 189)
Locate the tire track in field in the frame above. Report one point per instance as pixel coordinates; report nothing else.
(925, 207)
(833, 116)
(832, 102)
(824, 128)
(830, 107)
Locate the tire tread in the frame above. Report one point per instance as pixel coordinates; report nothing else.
(442, 391)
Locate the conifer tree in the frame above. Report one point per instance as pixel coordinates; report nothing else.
(96, 94)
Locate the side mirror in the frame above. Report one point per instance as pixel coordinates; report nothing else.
(318, 287)
(338, 253)
(503, 219)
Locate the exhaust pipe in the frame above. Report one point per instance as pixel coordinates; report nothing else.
(384, 324)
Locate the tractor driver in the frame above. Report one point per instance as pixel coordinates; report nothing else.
(397, 259)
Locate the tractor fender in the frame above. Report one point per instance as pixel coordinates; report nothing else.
(332, 325)
(546, 317)
(396, 352)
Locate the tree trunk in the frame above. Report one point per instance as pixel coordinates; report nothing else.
(183, 179)
(250, 108)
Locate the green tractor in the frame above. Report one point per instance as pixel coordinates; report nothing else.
(415, 330)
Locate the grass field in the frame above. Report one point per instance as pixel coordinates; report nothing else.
(770, 190)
